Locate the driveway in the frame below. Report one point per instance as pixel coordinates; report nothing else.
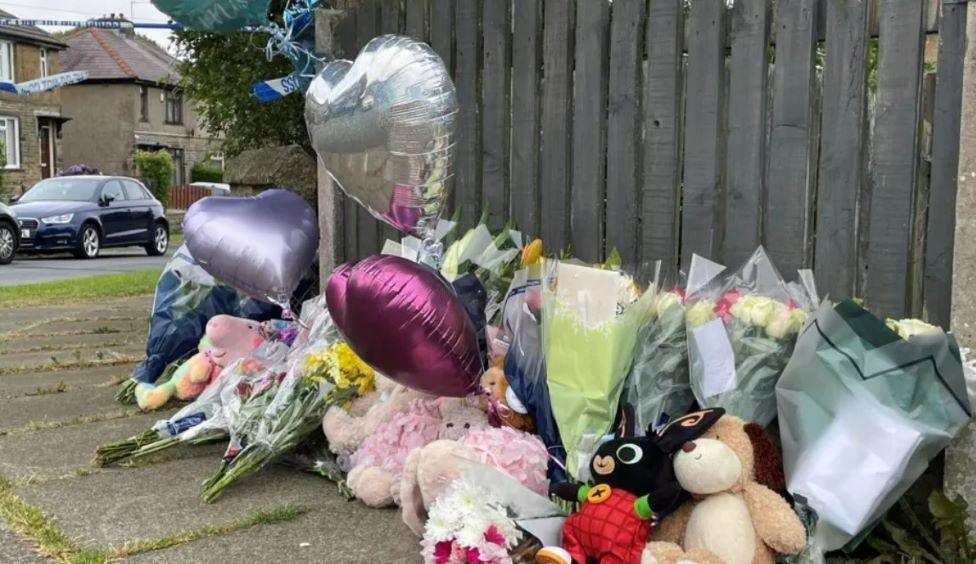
(43, 268)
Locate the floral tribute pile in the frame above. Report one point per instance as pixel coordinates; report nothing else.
(597, 384)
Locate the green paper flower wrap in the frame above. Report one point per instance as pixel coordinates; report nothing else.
(585, 369)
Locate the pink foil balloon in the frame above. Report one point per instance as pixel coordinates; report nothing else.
(407, 323)
(335, 293)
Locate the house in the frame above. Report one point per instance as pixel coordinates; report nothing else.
(128, 103)
(30, 126)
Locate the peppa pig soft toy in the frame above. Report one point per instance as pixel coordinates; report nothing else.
(227, 339)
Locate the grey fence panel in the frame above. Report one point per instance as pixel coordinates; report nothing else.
(589, 130)
(442, 30)
(556, 125)
(701, 221)
(894, 157)
(746, 144)
(526, 68)
(842, 147)
(787, 218)
(662, 126)
(639, 125)
(467, 180)
(623, 127)
(945, 164)
(416, 19)
(496, 24)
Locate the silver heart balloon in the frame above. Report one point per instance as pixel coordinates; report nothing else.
(261, 246)
(383, 126)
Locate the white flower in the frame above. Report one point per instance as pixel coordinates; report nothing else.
(908, 328)
(438, 529)
(665, 301)
(779, 322)
(754, 310)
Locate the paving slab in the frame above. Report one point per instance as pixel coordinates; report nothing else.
(54, 342)
(14, 318)
(13, 549)
(54, 358)
(87, 324)
(51, 453)
(106, 377)
(120, 504)
(340, 534)
(82, 402)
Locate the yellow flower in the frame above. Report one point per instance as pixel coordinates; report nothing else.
(532, 253)
(908, 328)
(700, 313)
(780, 322)
(340, 365)
(755, 310)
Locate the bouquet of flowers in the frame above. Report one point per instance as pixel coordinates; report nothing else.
(741, 336)
(465, 526)
(205, 419)
(658, 386)
(864, 406)
(591, 319)
(274, 423)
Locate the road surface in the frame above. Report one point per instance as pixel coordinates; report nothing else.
(43, 268)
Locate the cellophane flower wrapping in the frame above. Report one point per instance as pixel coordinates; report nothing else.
(467, 525)
(206, 418)
(518, 340)
(658, 386)
(591, 319)
(863, 410)
(741, 332)
(323, 371)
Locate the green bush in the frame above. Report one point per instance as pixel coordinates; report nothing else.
(203, 173)
(156, 170)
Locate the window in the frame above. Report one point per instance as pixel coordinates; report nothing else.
(174, 107)
(144, 103)
(133, 191)
(113, 189)
(10, 137)
(7, 61)
(44, 70)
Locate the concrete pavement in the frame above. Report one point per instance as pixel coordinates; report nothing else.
(56, 407)
(28, 269)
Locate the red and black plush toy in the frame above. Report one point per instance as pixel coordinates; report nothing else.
(634, 486)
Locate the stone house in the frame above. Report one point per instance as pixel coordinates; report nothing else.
(30, 126)
(128, 103)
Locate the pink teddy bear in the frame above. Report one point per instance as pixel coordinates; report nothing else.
(378, 463)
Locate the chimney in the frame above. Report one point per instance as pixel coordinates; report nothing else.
(126, 29)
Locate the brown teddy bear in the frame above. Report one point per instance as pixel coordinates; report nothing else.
(510, 408)
(733, 473)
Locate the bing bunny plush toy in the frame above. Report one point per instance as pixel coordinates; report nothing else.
(634, 485)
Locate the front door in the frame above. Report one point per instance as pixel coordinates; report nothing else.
(46, 136)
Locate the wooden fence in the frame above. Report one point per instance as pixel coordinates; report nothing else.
(665, 128)
(182, 197)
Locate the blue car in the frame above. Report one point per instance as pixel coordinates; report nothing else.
(84, 214)
(9, 234)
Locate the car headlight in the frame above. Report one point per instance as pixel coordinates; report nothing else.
(63, 218)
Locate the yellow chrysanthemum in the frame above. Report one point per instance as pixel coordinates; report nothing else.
(700, 313)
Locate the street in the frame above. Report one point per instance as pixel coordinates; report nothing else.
(28, 269)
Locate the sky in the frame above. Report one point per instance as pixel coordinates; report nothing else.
(135, 10)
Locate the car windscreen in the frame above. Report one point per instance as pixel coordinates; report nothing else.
(60, 189)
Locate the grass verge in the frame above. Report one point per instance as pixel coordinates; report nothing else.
(135, 283)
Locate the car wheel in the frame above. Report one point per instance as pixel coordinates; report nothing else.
(160, 241)
(89, 242)
(8, 242)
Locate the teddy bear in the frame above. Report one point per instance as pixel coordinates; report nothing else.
(377, 465)
(634, 486)
(346, 429)
(501, 397)
(428, 471)
(226, 340)
(733, 472)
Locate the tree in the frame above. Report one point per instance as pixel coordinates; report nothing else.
(217, 71)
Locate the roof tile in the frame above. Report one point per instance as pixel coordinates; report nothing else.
(109, 54)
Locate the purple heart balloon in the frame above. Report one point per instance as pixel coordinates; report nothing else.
(407, 323)
(261, 246)
(335, 293)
